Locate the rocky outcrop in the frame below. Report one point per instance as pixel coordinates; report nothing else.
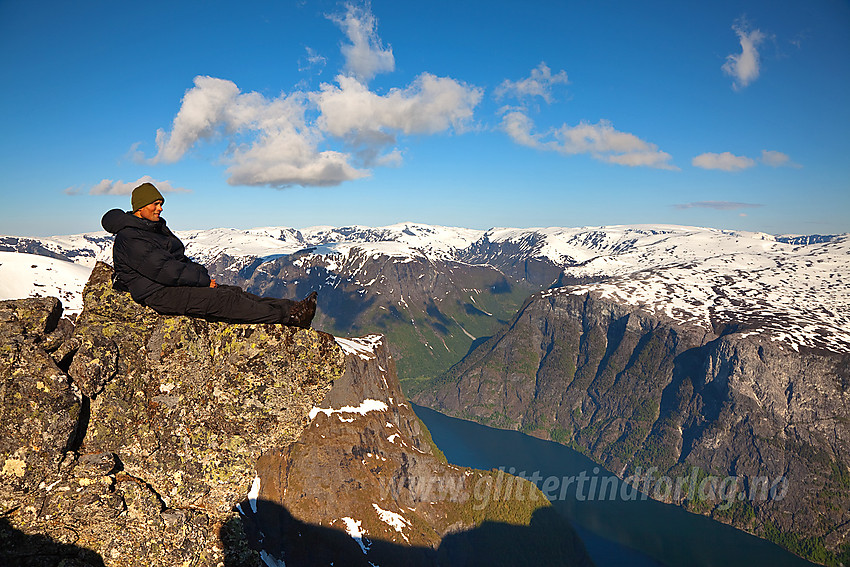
(636, 391)
(129, 438)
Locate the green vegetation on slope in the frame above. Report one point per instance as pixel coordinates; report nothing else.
(426, 340)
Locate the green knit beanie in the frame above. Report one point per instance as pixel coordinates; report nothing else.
(144, 195)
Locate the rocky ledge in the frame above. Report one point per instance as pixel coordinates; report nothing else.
(128, 437)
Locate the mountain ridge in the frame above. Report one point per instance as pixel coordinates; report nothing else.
(711, 276)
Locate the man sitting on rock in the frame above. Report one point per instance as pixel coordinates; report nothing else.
(150, 263)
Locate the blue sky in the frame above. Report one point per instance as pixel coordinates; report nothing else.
(476, 114)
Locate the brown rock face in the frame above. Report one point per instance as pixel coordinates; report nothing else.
(365, 485)
(40, 405)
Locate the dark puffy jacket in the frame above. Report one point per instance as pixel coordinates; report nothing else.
(148, 256)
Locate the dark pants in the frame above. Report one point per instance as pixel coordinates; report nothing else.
(222, 303)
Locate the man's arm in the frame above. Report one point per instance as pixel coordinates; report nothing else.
(157, 264)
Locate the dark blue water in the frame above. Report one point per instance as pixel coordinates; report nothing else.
(619, 526)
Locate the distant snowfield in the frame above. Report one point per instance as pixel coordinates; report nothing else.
(28, 275)
(398, 240)
(798, 293)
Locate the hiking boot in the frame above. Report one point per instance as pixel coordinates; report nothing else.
(302, 313)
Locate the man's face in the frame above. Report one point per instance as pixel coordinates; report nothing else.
(150, 212)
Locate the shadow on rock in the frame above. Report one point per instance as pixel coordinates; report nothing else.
(282, 539)
(18, 549)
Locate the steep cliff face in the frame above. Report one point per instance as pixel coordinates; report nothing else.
(131, 438)
(365, 467)
(635, 390)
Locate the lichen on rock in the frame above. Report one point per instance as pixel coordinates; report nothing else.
(40, 406)
(130, 439)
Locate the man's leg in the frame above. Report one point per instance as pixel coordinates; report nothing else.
(302, 312)
(285, 305)
(214, 303)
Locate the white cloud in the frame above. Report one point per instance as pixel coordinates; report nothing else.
(728, 161)
(334, 134)
(285, 151)
(651, 157)
(599, 140)
(273, 143)
(429, 105)
(365, 56)
(288, 140)
(135, 155)
(718, 206)
(777, 159)
(312, 60)
(539, 83)
(281, 147)
(204, 108)
(744, 67)
(368, 122)
(282, 161)
(110, 187)
(519, 126)
(725, 161)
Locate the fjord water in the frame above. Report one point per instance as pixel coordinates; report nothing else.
(634, 532)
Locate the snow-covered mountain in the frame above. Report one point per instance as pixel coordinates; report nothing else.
(399, 240)
(30, 275)
(799, 293)
(83, 249)
(797, 288)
